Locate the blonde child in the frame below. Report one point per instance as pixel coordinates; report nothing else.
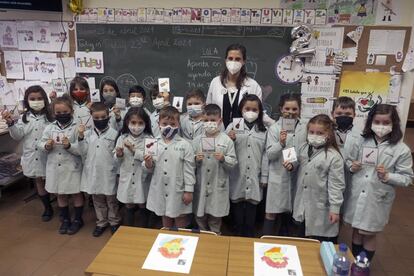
(191, 122)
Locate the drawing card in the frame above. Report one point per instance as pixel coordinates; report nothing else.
(195, 15)
(208, 144)
(42, 36)
(225, 16)
(320, 17)
(8, 33)
(256, 16)
(59, 86)
(298, 16)
(309, 17)
(215, 15)
(266, 16)
(31, 65)
(287, 17)
(277, 16)
(178, 103)
(245, 16)
(13, 64)
(238, 125)
(164, 85)
(205, 15)
(168, 15)
(289, 155)
(58, 137)
(142, 15)
(172, 253)
(150, 146)
(95, 96)
(120, 103)
(235, 16)
(25, 35)
(288, 124)
(369, 156)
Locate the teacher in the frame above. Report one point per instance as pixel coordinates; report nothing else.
(228, 89)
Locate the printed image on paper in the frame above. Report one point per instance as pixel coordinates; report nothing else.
(358, 12)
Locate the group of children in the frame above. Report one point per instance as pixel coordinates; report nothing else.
(202, 167)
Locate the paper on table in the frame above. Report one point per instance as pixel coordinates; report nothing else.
(386, 42)
(276, 259)
(13, 64)
(172, 253)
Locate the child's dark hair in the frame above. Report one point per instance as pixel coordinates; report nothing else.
(141, 113)
(212, 110)
(137, 89)
(45, 110)
(64, 99)
(396, 134)
(96, 107)
(290, 97)
(324, 120)
(169, 112)
(196, 93)
(154, 91)
(254, 98)
(79, 81)
(344, 102)
(110, 83)
(243, 74)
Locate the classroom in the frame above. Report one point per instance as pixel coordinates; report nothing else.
(235, 137)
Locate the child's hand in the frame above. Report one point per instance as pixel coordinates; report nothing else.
(187, 198)
(219, 156)
(148, 161)
(81, 130)
(6, 115)
(333, 218)
(49, 144)
(88, 105)
(382, 173)
(356, 166)
(283, 137)
(199, 157)
(232, 135)
(129, 146)
(65, 142)
(52, 95)
(117, 113)
(288, 166)
(119, 152)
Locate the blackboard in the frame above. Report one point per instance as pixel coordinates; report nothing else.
(190, 55)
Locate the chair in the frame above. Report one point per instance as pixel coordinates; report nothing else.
(196, 231)
(290, 239)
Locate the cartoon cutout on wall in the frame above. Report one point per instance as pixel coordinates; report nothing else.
(366, 103)
(275, 257)
(172, 249)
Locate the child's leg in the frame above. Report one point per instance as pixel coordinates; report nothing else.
(167, 221)
(114, 217)
(249, 219)
(45, 198)
(370, 245)
(101, 210)
(238, 218)
(202, 222)
(284, 225)
(269, 224)
(130, 214)
(181, 221)
(356, 242)
(214, 223)
(143, 215)
(64, 213)
(77, 223)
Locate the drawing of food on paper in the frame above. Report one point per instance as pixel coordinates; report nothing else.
(274, 257)
(172, 249)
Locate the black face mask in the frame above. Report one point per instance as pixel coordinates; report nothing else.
(344, 122)
(64, 118)
(101, 124)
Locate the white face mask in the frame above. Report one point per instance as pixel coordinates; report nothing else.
(381, 130)
(233, 66)
(250, 116)
(37, 105)
(136, 130)
(316, 141)
(136, 101)
(194, 110)
(210, 127)
(158, 103)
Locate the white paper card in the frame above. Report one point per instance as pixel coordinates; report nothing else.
(386, 42)
(238, 125)
(8, 34)
(89, 62)
(31, 64)
(58, 137)
(25, 35)
(172, 253)
(164, 85)
(276, 259)
(150, 146)
(380, 60)
(288, 124)
(369, 156)
(13, 64)
(178, 103)
(289, 155)
(95, 96)
(120, 103)
(208, 144)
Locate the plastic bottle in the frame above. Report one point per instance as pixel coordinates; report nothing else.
(341, 263)
(361, 265)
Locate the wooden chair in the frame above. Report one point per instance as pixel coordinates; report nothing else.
(290, 238)
(196, 231)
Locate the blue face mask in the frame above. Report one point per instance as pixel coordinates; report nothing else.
(194, 110)
(168, 131)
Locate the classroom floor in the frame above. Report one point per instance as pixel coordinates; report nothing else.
(31, 247)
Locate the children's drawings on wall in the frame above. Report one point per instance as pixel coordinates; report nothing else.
(389, 12)
(8, 34)
(352, 12)
(13, 64)
(303, 4)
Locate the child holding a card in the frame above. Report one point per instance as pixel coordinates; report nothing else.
(109, 94)
(320, 181)
(64, 164)
(159, 100)
(286, 135)
(172, 185)
(79, 92)
(215, 157)
(100, 168)
(133, 180)
(250, 175)
(29, 130)
(379, 162)
(191, 122)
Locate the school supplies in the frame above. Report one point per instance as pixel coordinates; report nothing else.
(289, 155)
(238, 125)
(164, 85)
(208, 144)
(369, 156)
(327, 252)
(150, 146)
(288, 124)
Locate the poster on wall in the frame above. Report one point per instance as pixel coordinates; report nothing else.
(367, 89)
(89, 62)
(13, 64)
(389, 12)
(360, 12)
(8, 34)
(303, 4)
